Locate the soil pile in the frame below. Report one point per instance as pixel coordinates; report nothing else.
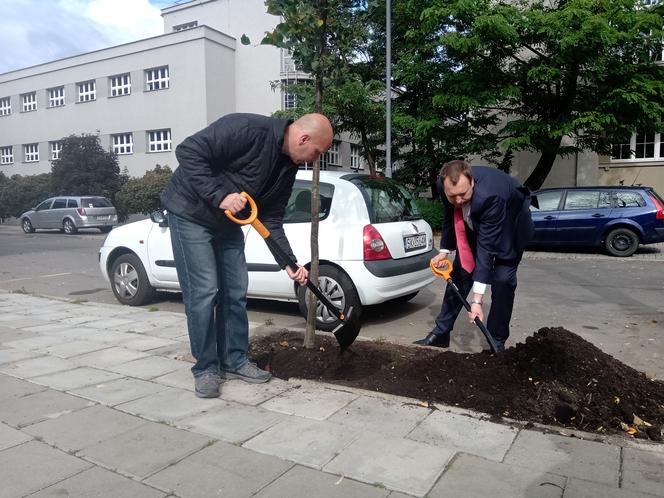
(554, 378)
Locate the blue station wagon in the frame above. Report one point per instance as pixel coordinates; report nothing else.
(617, 218)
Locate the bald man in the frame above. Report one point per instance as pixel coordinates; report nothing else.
(237, 153)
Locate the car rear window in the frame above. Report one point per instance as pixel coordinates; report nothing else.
(95, 202)
(628, 199)
(298, 209)
(387, 200)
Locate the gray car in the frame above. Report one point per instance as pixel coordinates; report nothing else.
(71, 213)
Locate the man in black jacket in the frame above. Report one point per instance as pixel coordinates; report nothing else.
(487, 221)
(237, 153)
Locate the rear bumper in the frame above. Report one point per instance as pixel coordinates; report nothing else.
(393, 267)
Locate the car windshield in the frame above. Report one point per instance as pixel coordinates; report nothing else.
(387, 200)
(95, 202)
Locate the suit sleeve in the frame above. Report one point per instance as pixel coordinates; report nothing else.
(447, 233)
(491, 223)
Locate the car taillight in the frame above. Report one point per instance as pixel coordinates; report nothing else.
(658, 205)
(374, 245)
(81, 211)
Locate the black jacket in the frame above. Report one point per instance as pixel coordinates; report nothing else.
(236, 153)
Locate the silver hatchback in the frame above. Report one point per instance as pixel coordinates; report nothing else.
(71, 213)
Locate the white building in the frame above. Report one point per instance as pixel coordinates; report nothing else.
(145, 97)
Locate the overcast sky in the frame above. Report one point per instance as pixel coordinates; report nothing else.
(37, 31)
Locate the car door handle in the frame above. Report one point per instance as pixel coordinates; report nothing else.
(549, 217)
(598, 215)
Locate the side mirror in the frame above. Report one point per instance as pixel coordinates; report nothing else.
(159, 217)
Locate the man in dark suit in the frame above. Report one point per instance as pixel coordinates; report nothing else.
(488, 223)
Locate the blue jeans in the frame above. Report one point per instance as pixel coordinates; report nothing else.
(213, 277)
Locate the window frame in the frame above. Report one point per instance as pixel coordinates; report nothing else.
(85, 93)
(56, 100)
(5, 106)
(633, 146)
(55, 149)
(31, 156)
(357, 162)
(153, 141)
(7, 154)
(122, 147)
(120, 84)
(29, 102)
(155, 81)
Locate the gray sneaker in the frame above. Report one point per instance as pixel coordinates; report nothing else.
(248, 372)
(207, 385)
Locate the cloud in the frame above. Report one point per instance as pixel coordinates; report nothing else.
(38, 31)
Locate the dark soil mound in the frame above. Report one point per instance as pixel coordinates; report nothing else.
(554, 378)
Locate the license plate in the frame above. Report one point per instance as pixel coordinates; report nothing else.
(415, 242)
(104, 218)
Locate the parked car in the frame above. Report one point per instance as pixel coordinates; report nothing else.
(69, 214)
(617, 218)
(374, 247)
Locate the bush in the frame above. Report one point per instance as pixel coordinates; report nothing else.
(141, 195)
(19, 193)
(432, 212)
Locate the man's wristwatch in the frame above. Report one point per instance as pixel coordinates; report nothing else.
(476, 302)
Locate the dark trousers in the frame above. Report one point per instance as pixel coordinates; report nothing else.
(503, 289)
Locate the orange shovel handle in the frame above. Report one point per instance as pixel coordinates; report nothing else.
(252, 219)
(445, 271)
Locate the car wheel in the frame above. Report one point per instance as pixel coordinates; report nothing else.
(105, 229)
(27, 226)
(406, 298)
(339, 289)
(129, 281)
(621, 242)
(69, 227)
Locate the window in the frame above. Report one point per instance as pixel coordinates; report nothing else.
(87, 91)
(642, 146)
(29, 101)
(123, 143)
(331, 157)
(159, 140)
(7, 155)
(298, 209)
(72, 203)
(120, 85)
(31, 153)
(356, 159)
(287, 62)
(548, 201)
(59, 204)
(187, 25)
(288, 100)
(587, 199)
(44, 205)
(156, 79)
(56, 96)
(628, 199)
(5, 106)
(56, 150)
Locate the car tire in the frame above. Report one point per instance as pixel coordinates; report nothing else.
(621, 242)
(69, 227)
(26, 225)
(340, 290)
(129, 281)
(105, 229)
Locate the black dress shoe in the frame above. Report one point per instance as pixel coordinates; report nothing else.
(439, 341)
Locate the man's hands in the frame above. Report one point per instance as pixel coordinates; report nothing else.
(300, 276)
(233, 202)
(438, 259)
(475, 311)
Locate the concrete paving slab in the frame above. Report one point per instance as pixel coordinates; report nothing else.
(596, 462)
(300, 482)
(396, 463)
(35, 367)
(8, 333)
(145, 450)
(118, 391)
(20, 321)
(47, 328)
(76, 378)
(110, 323)
(465, 434)
(473, 477)
(232, 422)
(11, 387)
(643, 471)
(33, 466)
(147, 343)
(313, 402)
(305, 441)
(38, 343)
(100, 422)
(11, 437)
(169, 405)
(220, 470)
(578, 488)
(253, 394)
(77, 320)
(108, 357)
(99, 483)
(150, 367)
(389, 417)
(182, 379)
(74, 348)
(39, 406)
(11, 355)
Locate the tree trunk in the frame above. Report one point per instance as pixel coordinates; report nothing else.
(544, 165)
(367, 153)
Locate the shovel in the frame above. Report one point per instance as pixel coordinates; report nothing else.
(347, 331)
(447, 275)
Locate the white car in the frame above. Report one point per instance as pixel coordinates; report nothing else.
(373, 244)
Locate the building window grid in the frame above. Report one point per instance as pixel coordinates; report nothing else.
(56, 150)
(356, 159)
(87, 91)
(187, 25)
(7, 155)
(5, 106)
(56, 96)
(287, 62)
(123, 143)
(29, 101)
(120, 85)
(157, 78)
(641, 147)
(159, 140)
(332, 157)
(31, 153)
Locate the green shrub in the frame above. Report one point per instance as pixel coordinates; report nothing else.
(19, 193)
(141, 195)
(432, 212)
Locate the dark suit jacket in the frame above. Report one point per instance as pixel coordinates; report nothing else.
(500, 213)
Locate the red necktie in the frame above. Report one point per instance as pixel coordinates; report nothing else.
(463, 247)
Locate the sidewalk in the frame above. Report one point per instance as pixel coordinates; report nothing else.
(96, 401)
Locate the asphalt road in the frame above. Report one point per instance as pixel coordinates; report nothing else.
(616, 303)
